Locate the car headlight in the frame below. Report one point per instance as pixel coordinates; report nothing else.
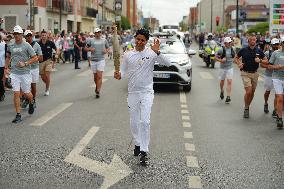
(183, 62)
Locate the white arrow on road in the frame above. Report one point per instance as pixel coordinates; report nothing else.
(113, 172)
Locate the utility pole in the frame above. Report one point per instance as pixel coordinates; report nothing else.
(223, 20)
(211, 27)
(60, 14)
(237, 17)
(32, 15)
(200, 16)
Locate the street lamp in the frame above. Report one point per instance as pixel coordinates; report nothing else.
(211, 15)
(237, 17)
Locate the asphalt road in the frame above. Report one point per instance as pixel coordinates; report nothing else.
(74, 140)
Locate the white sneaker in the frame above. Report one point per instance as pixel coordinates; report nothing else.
(46, 93)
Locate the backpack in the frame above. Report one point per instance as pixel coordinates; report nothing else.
(224, 53)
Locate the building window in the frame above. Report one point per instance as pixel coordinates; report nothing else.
(10, 22)
(49, 24)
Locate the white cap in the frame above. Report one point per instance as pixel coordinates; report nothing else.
(227, 40)
(17, 29)
(97, 30)
(91, 33)
(275, 41)
(28, 32)
(210, 34)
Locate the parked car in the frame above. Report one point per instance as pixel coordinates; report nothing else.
(180, 72)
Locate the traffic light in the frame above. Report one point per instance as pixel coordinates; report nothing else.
(217, 20)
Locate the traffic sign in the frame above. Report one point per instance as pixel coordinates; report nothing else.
(276, 23)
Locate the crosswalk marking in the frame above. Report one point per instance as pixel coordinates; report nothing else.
(191, 161)
(194, 182)
(183, 106)
(206, 75)
(185, 118)
(189, 147)
(51, 114)
(186, 124)
(184, 112)
(188, 135)
(182, 97)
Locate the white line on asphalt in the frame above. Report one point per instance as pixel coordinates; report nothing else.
(186, 124)
(191, 161)
(51, 114)
(184, 111)
(183, 105)
(94, 85)
(187, 135)
(185, 118)
(182, 97)
(189, 147)
(194, 182)
(85, 73)
(206, 75)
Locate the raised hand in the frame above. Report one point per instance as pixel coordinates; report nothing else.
(156, 45)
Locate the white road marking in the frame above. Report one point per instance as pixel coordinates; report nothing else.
(184, 111)
(113, 172)
(186, 124)
(51, 114)
(182, 97)
(183, 105)
(185, 118)
(85, 73)
(206, 75)
(191, 161)
(94, 85)
(189, 147)
(194, 182)
(187, 135)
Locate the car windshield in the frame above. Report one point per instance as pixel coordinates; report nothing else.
(172, 47)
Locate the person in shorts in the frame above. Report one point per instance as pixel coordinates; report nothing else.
(226, 56)
(248, 60)
(45, 67)
(21, 55)
(277, 65)
(35, 66)
(268, 84)
(98, 47)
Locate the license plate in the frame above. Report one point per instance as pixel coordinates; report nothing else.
(161, 75)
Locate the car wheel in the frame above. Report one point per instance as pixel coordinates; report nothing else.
(187, 88)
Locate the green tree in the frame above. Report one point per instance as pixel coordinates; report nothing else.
(125, 24)
(261, 27)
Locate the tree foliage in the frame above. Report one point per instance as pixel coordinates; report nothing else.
(125, 24)
(261, 27)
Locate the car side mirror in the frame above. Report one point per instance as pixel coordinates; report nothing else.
(191, 52)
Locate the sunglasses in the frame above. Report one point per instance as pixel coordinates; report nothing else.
(29, 35)
(16, 33)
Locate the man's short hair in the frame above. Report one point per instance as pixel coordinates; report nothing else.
(43, 31)
(143, 31)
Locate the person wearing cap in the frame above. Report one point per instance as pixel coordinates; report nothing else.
(248, 60)
(268, 84)
(138, 65)
(276, 62)
(98, 47)
(226, 57)
(21, 55)
(34, 67)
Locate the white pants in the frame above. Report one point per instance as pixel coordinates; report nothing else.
(226, 74)
(98, 66)
(35, 75)
(139, 106)
(268, 84)
(21, 82)
(278, 86)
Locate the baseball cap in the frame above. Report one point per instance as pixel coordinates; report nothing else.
(274, 41)
(227, 40)
(91, 33)
(17, 29)
(210, 34)
(97, 30)
(28, 32)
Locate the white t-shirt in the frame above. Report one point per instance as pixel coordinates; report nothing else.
(2, 54)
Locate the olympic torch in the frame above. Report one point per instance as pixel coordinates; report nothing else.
(116, 50)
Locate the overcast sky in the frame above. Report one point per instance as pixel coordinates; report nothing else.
(166, 11)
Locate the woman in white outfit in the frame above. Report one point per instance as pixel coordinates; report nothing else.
(138, 64)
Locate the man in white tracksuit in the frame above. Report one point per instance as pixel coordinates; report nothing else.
(138, 64)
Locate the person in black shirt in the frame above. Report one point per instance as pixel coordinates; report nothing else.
(45, 67)
(77, 49)
(248, 60)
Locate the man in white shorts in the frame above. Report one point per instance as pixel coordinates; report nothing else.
(20, 54)
(277, 64)
(268, 84)
(226, 57)
(35, 66)
(98, 47)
